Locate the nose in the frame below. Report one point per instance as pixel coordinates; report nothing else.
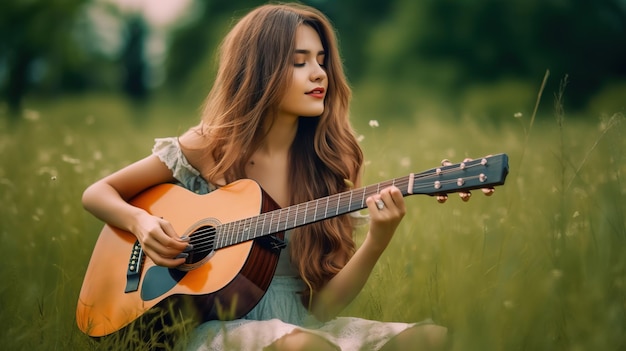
(318, 73)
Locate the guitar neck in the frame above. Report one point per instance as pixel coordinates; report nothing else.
(465, 176)
(302, 214)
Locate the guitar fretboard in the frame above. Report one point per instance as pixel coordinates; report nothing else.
(301, 214)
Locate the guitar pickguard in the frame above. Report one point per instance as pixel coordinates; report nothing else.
(159, 280)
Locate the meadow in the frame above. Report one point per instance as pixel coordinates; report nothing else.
(540, 265)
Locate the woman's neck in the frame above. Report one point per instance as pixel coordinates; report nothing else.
(279, 135)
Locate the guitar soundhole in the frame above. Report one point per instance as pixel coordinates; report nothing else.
(203, 242)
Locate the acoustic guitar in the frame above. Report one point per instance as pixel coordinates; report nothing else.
(236, 235)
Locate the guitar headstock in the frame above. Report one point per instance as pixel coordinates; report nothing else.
(485, 172)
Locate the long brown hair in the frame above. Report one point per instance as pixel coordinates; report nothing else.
(255, 67)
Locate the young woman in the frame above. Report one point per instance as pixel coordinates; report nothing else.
(277, 114)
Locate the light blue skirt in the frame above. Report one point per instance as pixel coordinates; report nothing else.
(279, 313)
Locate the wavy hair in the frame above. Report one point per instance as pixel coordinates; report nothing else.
(256, 63)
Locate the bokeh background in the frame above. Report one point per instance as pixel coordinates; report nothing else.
(86, 85)
(486, 56)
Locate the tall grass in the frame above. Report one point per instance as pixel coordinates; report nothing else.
(537, 266)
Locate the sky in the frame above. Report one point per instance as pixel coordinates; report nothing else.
(157, 12)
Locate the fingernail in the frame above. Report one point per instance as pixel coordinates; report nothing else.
(184, 238)
(188, 248)
(182, 255)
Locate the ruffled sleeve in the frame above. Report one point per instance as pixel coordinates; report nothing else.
(169, 152)
(359, 219)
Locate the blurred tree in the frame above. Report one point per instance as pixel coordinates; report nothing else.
(133, 58)
(193, 42)
(30, 33)
(482, 41)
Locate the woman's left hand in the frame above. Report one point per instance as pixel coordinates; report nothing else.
(386, 210)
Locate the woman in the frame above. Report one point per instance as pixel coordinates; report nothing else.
(277, 114)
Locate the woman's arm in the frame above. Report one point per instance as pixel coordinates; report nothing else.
(347, 284)
(107, 199)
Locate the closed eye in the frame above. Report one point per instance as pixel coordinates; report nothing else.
(301, 56)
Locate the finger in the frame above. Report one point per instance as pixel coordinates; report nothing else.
(397, 199)
(392, 196)
(172, 239)
(371, 203)
(169, 262)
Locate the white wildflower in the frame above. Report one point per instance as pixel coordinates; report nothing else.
(70, 160)
(374, 123)
(405, 162)
(518, 115)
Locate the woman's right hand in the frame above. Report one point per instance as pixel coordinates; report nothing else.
(107, 199)
(160, 242)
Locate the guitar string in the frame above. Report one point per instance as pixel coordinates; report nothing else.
(208, 243)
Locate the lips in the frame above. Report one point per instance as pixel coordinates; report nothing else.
(317, 92)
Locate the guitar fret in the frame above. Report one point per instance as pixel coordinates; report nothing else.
(239, 231)
(232, 232)
(256, 229)
(350, 201)
(244, 229)
(326, 210)
(263, 225)
(220, 240)
(245, 235)
(236, 231)
(241, 228)
(363, 198)
(295, 219)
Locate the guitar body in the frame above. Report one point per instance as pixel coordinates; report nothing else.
(234, 278)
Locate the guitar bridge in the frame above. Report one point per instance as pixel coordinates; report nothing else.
(135, 265)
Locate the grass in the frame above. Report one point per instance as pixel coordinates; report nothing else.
(537, 266)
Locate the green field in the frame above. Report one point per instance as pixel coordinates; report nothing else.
(540, 265)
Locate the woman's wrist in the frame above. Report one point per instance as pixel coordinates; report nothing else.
(375, 245)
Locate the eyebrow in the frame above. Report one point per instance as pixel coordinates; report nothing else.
(301, 51)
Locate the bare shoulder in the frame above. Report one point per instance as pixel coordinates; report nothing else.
(193, 145)
(193, 139)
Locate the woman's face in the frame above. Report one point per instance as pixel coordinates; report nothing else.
(309, 84)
